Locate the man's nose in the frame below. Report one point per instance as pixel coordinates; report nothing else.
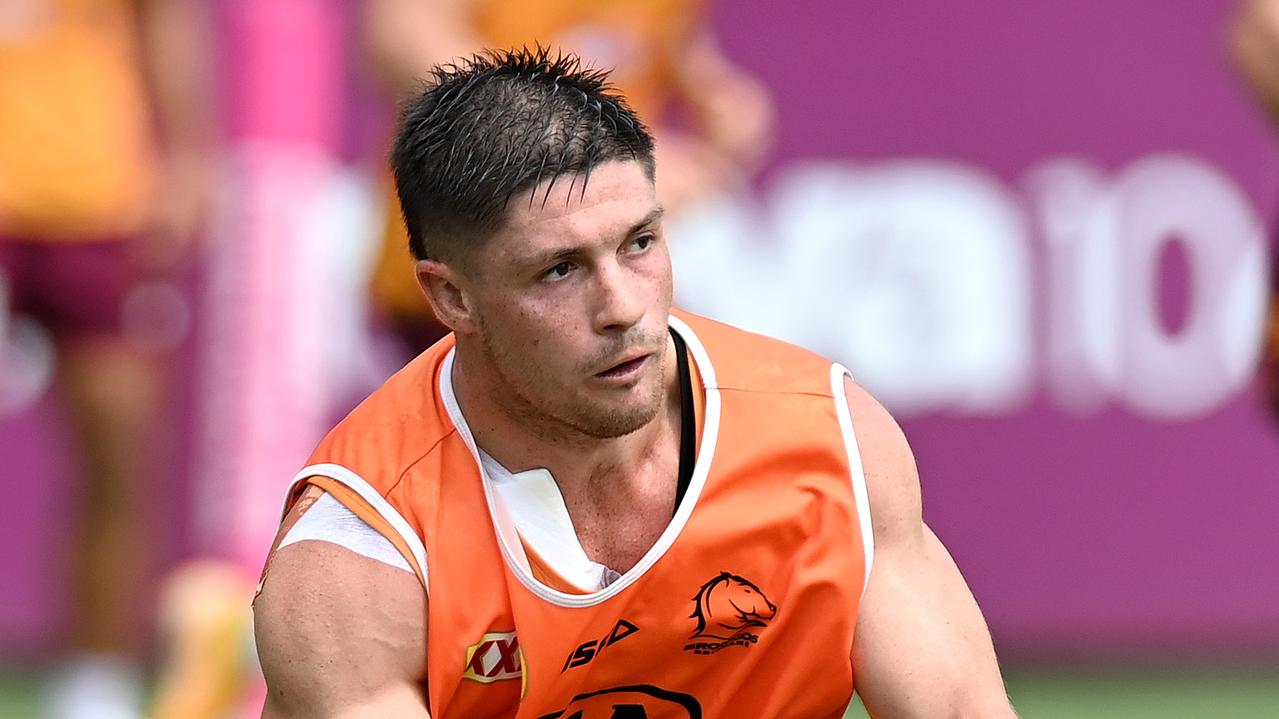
(621, 299)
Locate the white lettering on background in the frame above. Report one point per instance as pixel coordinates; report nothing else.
(944, 290)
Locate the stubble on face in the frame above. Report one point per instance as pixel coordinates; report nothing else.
(529, 390)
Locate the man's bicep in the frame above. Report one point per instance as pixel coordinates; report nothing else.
(922, 648)
(340, 635)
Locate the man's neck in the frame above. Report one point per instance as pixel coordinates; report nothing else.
(581, 465)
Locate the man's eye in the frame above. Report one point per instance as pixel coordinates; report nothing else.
(641, 243)
(559, 271)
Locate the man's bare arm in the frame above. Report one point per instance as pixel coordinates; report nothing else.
(177, 44)
(731, 110)
(405, 38)
(340, 635)
(922, 646)
(1254, 43)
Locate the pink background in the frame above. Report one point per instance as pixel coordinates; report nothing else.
(1109, 535)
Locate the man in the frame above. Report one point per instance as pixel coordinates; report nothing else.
(583, 505)
(105, 140)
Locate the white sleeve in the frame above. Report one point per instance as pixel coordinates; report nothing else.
(328, 520)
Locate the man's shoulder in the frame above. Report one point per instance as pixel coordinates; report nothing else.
(743, 359)
(396, 425)
(320, 643)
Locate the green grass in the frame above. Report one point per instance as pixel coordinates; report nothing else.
(1140, 694)
(18, 694)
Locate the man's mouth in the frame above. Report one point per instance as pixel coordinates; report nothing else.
(625, 369)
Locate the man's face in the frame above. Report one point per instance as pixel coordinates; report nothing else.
(571, 299)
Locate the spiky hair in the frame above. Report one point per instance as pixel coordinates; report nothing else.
(497, 125)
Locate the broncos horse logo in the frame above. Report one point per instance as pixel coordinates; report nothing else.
(727, 609)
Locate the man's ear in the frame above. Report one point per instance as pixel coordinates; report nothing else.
(444, 286)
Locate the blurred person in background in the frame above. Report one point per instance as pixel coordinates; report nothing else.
(1255, 45)
(104, 172)
(712, 121)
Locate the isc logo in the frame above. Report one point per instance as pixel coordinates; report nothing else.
(494, 657)
(587, 651)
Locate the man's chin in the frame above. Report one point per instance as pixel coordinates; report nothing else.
(616, 422)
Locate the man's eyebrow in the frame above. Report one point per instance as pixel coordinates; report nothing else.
(555, 256)
(650, 218)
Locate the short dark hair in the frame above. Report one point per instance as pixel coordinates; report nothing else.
(499, 124)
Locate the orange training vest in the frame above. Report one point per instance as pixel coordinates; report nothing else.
(745, 607)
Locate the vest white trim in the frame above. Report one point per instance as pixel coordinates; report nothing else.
(858, 475)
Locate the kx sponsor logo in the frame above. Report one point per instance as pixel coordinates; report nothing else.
(494, 657)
